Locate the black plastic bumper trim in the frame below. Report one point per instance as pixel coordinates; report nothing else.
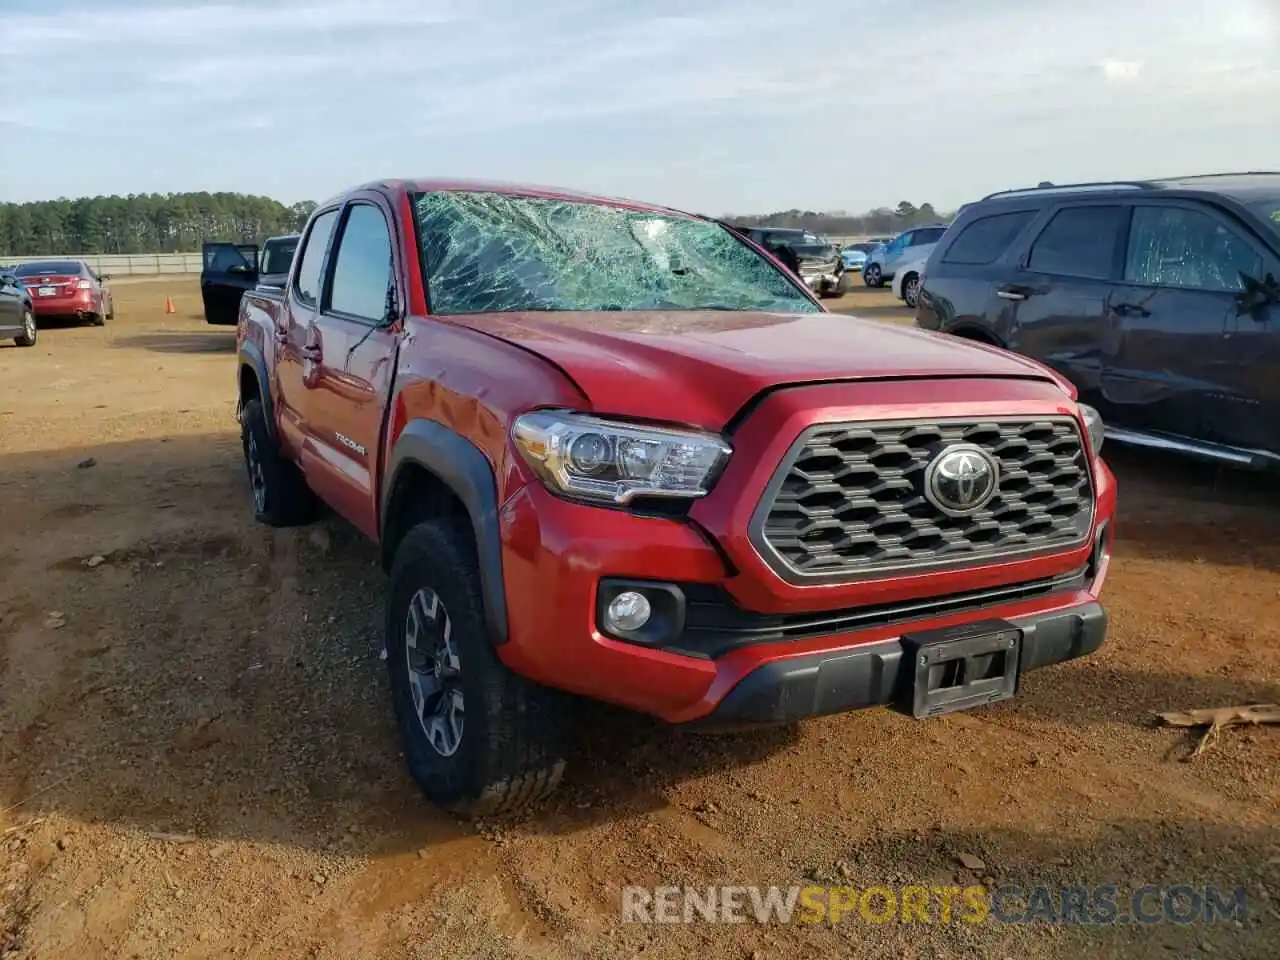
(875, 674)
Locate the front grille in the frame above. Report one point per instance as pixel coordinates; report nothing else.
(849, 500)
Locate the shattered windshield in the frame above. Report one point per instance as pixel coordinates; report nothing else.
(498, 253)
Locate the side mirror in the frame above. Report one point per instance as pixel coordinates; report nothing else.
(1258, 294)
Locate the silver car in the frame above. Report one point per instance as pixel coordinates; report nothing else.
(909, 245)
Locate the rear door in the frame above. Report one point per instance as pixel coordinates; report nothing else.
(356, 344)
(1055, 303)
(297, 365)
(958, 289)
(1191, 360)
(228, 270)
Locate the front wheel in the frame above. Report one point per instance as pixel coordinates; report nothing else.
(29, 333)
(911, 289)
(872, 276)
(479, 739)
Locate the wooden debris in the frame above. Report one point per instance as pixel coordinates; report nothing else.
(1215, 718)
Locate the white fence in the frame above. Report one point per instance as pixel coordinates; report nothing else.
(124, 264)
(144, 264)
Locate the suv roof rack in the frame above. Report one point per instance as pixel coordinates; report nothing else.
(1214, 176)
(1156, 183)
(1075, 188)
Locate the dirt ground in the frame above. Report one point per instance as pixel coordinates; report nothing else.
(197, 757)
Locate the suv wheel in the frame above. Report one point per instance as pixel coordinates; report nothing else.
(29, 333)
(281, 497)
(911, 289)
(871, 276)
(478, 739)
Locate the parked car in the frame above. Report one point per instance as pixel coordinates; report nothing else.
(17, 316)
(229, 269)
(1157, 299)
(906, 280)
(608, 449)
(884, 260)
(819, 258)
(66, 289)
(854, 256)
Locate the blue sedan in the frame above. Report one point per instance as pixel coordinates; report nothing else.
(855, 255)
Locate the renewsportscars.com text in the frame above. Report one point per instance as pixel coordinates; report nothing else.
(1097, 905)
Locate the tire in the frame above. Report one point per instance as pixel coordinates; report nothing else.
(872, 276)
(911, 289)
(497, 741)
(97, 319)
(280, 495)
(30, 333)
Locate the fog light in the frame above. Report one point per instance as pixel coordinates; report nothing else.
(627, 612)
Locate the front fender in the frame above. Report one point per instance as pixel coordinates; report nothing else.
(460, 465)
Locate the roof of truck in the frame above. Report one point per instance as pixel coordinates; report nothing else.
(441, 184)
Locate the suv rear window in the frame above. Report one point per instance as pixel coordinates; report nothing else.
(1079, 242)
(986, 239)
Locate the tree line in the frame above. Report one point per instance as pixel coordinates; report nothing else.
(143, 223)
(181, 222)
(881, 220)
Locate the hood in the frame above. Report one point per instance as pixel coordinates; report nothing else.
(702, 367)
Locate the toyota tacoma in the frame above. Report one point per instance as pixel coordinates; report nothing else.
(613, 450)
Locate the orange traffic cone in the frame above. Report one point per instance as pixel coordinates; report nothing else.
(168, 305)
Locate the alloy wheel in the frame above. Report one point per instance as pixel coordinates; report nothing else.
(257, 479)
(434, 671)
(911, 291)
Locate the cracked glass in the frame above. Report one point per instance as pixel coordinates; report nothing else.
(499, 253)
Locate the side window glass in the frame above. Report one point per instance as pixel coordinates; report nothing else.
(1177, 247)
(362, 268)
(1079, 242)
(307, 285)
(986, 239)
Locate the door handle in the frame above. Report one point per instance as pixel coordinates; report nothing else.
(311, 351)
(1130, 310)
(1012, 293)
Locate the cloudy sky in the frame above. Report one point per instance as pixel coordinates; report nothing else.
(712, 105)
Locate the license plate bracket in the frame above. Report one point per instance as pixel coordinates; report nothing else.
(958, 668)
(48, 291)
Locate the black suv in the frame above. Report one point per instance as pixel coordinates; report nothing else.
(1158, 299)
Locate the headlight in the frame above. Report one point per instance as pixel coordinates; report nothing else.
(1093, 423)
(612, 462)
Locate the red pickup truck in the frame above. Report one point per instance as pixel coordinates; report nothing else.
(617, 451)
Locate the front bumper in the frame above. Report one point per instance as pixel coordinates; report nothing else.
(738, 616)
(821, 282)
(881, 674)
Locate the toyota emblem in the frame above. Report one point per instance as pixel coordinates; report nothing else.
(961, 480)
